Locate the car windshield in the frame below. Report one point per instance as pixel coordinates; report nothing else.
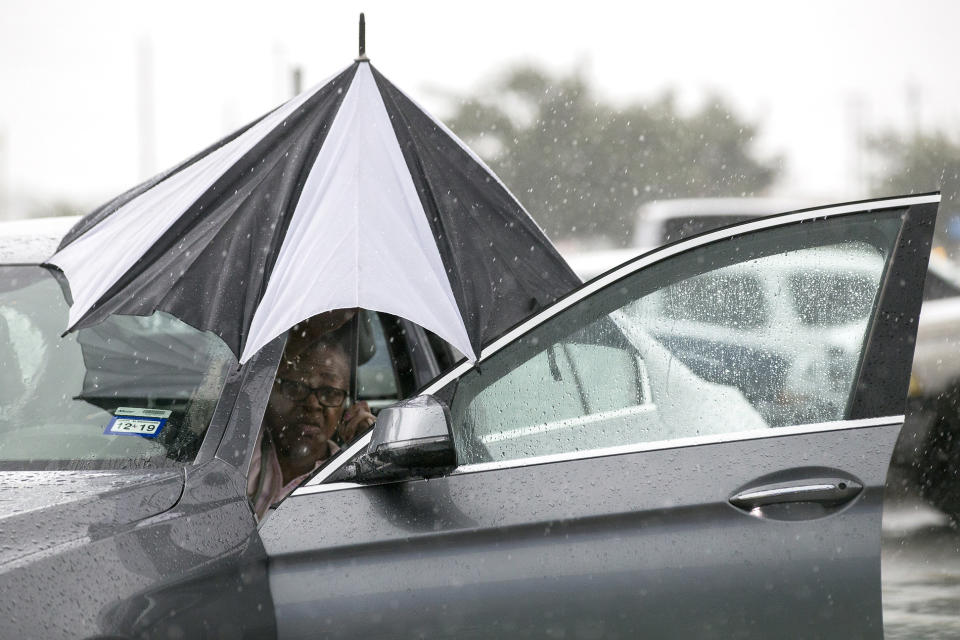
(128, 392)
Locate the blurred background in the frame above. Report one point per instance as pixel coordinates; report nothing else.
(586, 114)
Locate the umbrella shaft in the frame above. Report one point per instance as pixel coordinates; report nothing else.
(363, 36)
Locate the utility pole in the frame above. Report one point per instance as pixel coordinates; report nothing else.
(296, 77)
(914, 103)
(855, 115)
(5, 213)
(145, 108)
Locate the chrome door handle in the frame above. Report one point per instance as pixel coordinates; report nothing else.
(826, 491)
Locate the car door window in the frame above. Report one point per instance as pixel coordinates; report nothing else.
(728, 337)
(376, 376)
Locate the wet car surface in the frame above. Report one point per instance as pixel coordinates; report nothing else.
(579, 480)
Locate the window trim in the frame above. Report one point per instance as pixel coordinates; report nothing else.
(683, 443)
(618, 273)
(638, 447)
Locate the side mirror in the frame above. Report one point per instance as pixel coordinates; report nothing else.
(411, 439)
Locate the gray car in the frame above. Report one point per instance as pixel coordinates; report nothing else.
(579, 480)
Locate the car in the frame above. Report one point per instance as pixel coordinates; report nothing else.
(663, 221)
(929, 441)
(579, 479)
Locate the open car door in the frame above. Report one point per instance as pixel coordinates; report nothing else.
(691, 445)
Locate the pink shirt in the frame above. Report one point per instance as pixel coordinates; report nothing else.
(265, 485)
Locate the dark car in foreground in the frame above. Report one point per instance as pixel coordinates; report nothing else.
(579, 480)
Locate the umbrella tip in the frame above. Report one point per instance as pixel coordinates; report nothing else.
(363, 41)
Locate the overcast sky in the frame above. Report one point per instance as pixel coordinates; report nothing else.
(811, 73)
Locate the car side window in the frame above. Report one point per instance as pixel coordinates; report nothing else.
(376, 377)
(767, 330)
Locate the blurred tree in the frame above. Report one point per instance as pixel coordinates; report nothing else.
(582, 166)
(47, 209)
(917, 163)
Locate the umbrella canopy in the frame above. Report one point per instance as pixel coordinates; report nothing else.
(349, 195)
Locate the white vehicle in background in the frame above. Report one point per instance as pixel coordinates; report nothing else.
(758, 334)
(663, 221)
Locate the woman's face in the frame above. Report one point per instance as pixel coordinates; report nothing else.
(301, 427)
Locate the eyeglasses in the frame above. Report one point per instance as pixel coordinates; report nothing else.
(327, 396)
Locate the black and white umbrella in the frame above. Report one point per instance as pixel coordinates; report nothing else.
(349, 195)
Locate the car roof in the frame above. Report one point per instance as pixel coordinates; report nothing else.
(706, 207)
(32, 240)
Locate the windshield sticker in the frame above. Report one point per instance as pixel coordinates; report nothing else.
(132, 421)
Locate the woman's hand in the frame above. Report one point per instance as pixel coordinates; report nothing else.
(356, 418)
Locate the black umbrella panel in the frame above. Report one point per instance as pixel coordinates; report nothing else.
(349, 195)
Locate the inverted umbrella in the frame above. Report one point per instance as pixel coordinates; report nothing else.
(349, 195)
